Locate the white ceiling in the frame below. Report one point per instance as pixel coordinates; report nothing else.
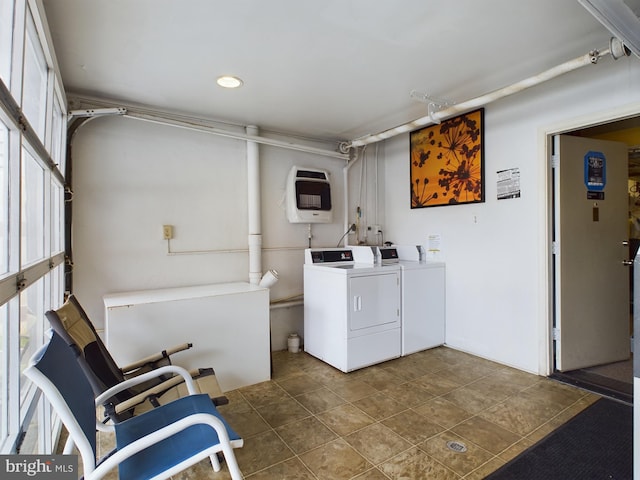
(334, 69)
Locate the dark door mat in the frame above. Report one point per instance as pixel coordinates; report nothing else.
(595, 444)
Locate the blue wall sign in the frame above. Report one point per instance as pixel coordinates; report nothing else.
(595, 171)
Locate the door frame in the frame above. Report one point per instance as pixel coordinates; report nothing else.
(546, 267)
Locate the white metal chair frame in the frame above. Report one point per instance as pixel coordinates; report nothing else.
(92, 470)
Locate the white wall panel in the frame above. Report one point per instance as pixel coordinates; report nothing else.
(131, 177)
(494, 250)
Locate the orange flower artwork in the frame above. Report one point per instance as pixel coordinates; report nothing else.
(447, 164)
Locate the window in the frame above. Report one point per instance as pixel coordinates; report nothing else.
(31, 220)
(57, 135)
(57, 217)
(32, 238)
(4, 321)
(31, 329)
(4, 199)
(34, 83)
(6, 41)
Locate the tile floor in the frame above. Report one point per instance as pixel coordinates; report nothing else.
(391, 421)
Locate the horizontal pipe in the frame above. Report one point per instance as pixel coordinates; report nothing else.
(435, 117)
(238, 136)
(291, 303)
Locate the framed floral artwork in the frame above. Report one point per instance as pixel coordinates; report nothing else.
(447, 162)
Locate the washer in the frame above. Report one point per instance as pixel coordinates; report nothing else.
(423, 298)
(351, 310)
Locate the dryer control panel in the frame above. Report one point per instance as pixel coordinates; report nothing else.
(328, 256)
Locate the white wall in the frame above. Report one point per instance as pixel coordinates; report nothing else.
(131, 177)
(496, 290)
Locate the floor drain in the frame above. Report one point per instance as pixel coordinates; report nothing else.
(458, 447)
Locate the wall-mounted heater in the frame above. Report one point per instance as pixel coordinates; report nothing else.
(308, 196)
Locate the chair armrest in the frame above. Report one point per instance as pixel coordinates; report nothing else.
(167, 431)
(142, 396)
(155, 357)
(171, 369)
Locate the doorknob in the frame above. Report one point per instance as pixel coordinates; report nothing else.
(627, 263)
(625, 243)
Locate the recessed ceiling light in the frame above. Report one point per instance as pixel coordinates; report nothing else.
(229, 81)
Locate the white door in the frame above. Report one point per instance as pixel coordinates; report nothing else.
(375, 302)
(591, 234)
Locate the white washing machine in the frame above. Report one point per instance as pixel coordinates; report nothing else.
(351, 310)
(423, 298)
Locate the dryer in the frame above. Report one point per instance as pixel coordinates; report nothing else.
(422, 293)
(351, 310)
(423, 298)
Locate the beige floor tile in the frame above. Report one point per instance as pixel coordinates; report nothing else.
(345, 419)
(389, 421)
(553, 394)
(406, 368)
(378, 377)
(297, 384)
(429, 362)
(243, 418)
(520, 414)
(320, 400)
(373, 474)
(412, 426)
(516, 449)
(326, 374)
(443, 412)
(436, 384)
(292, 469)
(416, 464)
(285, 411)
(106, 442)
(262, 451)
(470, 400)
(203, 471)
(461, 462)
(263, 394)
(379, 406)
(305, 434)
(410, 394)
(336, 460)
(465, 373)
(351, 389)
(487, 435)
(517, 378)
(484, 470)
(495, 387)
(377, 443)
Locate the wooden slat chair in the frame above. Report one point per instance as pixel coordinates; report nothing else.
(153, 445)
(72, 324)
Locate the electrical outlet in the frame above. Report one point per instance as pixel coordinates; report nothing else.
(167, 232)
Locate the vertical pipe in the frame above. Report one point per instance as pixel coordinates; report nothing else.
(254, 207)
(345, 176)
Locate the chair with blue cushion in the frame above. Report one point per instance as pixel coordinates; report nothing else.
(153, 445)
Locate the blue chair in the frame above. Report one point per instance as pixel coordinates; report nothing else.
(153, 445)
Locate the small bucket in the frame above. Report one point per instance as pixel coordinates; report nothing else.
(293, 342)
